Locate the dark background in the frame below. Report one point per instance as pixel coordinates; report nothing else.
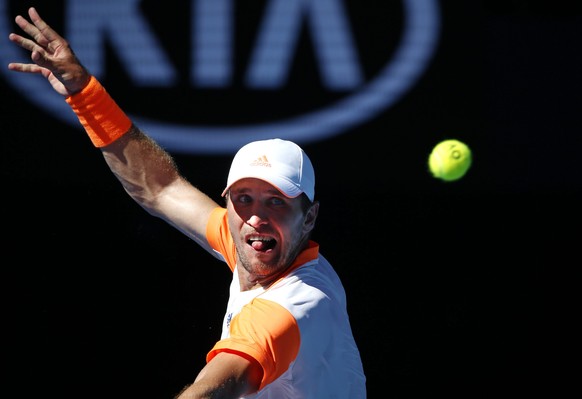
(459, 289)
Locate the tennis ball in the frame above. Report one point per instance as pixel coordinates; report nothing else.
(450, 160)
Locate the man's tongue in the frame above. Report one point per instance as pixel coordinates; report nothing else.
(259, 245)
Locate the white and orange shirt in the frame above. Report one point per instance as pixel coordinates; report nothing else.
(297, 329)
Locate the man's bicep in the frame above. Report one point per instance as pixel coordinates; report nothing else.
(227, 375)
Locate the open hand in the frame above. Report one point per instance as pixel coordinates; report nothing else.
(51, 54)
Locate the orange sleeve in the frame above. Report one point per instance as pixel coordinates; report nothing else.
(265, 331)
(219, 238)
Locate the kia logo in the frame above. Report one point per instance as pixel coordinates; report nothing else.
(211, 86)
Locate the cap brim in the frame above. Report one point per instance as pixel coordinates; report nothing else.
(287, 188)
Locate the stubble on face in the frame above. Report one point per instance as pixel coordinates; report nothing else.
(264, 266)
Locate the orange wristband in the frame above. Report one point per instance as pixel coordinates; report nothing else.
(99, 114)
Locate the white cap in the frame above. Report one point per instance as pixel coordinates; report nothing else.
(280, 163)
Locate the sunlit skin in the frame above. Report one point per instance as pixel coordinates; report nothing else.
(269, 230)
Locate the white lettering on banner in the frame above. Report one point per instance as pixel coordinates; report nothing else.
(272, 56)
(89, 22)
(141, 53)
(212, 43)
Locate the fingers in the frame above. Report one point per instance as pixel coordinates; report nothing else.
(40, 32)
(33, 14)
(46, 32)
(43, 43)
(23, 42)
(32, 30)
(50, 54)
(27, 68)
(37, 53)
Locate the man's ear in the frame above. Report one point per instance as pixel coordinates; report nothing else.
(311, 216)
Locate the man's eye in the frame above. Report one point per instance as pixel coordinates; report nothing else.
(245, 199)
(277, 201)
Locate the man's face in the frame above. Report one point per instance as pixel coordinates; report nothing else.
(268, 228)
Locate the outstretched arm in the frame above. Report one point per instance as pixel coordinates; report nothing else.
(146, 171)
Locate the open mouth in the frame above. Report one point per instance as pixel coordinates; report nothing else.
(262, 244)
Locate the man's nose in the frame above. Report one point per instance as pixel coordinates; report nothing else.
(256, 221)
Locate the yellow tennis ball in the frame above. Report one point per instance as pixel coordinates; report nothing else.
(450, 160)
